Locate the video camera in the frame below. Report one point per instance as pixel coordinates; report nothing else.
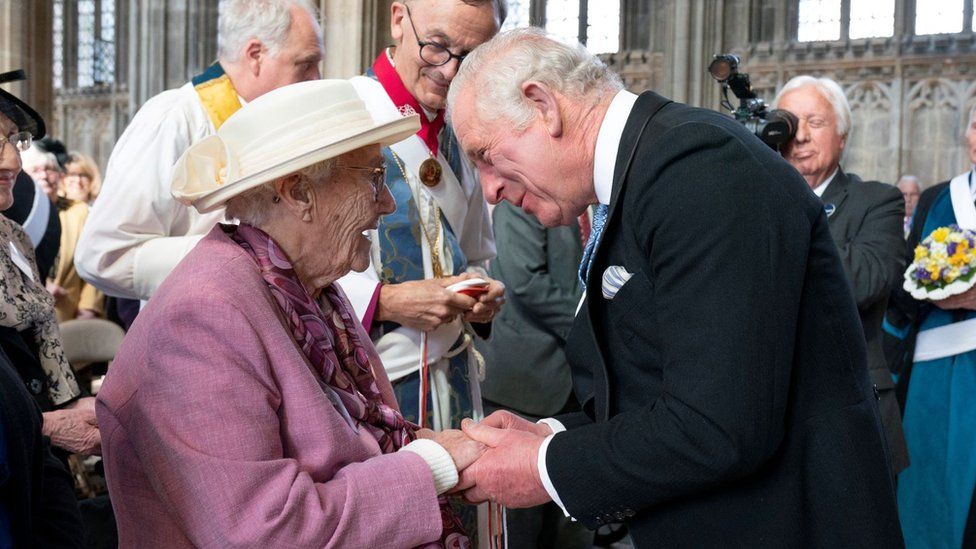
(774, 127)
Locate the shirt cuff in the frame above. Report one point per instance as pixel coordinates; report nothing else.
(557, 427)
(554, 424)
(440, 462)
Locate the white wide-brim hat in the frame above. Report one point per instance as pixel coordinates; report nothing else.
(279, 133)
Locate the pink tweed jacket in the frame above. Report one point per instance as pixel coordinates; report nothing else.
(216, 433)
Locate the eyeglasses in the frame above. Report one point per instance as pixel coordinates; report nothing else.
(20, 140)
(431, 52)
(377, 178)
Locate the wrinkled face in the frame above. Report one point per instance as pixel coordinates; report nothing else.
(77, 184)
(526, 168)
(909, 190)
(971, 138)
(817, 148)
(9, 164)
(298, 60)
(452, 24)
(347, 207)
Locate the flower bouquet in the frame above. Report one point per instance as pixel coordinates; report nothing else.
(945, 264)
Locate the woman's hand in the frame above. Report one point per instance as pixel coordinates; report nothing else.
(57, 291)
(965, 300)
(74, 428)
(462, 449)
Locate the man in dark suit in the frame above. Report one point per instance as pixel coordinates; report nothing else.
(526, 367)
(729, 401)
(866, 222)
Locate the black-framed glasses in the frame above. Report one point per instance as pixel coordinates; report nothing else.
(377, 178)
(20, 140)
(431, 52)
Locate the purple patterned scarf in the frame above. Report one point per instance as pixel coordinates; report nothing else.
(325, 332)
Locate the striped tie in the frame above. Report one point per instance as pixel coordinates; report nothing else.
(599, 220)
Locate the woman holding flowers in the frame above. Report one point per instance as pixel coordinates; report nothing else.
(935, 494)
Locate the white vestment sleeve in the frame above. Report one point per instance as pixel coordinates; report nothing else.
(477, 239)
(360, 288)
(136, 231)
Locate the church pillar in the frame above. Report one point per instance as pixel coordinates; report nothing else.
(26, 44)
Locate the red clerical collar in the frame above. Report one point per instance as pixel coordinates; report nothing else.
(401, 96)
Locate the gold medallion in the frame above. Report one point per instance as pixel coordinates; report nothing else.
(431, 172)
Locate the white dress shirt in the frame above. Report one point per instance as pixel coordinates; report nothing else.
(604, 163)
(136, 231)
(821, 188)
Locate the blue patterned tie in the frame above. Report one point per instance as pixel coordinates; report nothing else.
(599, 220)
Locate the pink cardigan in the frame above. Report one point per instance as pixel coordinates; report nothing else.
(216, 433)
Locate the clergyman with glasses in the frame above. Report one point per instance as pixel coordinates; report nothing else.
(440, 232)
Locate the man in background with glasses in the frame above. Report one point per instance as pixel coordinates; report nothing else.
(441, 230)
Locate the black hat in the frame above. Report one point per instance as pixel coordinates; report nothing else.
(20, 113)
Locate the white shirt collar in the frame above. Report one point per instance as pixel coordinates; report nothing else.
(608, 142)
(819, 191)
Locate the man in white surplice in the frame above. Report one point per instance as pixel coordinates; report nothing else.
(441, 231)
(136, 232)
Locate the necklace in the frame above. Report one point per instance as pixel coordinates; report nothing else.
(434, 243)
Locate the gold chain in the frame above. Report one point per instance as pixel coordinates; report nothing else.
(432, 243)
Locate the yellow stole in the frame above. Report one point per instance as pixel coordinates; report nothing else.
(217, 94)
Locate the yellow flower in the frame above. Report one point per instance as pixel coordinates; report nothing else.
(934, 272)
(921, 252)
(940, 234)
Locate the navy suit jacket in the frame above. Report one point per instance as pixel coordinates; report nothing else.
(729, 402)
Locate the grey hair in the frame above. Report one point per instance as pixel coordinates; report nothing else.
(909, 179)
(829, 90)
(500, 67)
(266, 20)
(254, 205)
(34, 156)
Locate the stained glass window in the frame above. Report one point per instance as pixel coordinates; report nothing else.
(105, 46)
(562, 20)
(518, 14)
(943, 16)
(96, 42)
(819, 20)
(603, 26)
(872, 18)
(86, 43)
(57, 41)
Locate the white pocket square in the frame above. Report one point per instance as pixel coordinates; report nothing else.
(613, 279)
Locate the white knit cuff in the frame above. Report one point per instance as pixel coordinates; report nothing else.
(440, 462)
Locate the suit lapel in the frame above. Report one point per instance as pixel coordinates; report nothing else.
(647, 105)
(836, 193)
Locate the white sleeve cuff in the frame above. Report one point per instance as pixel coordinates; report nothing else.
(554, 424)
(543, 472)
(440, 462)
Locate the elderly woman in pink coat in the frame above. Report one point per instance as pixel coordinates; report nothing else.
(247, 406)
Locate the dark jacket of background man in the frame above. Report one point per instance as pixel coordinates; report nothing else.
(867, 226)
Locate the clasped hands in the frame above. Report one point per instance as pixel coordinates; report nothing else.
(497, 459)
(427, 304)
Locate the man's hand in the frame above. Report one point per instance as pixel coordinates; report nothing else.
(503, 419)
(488, 303)
(423, 304)
(463, 450)
(74, 428)
(965, 300)
(508, 471)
